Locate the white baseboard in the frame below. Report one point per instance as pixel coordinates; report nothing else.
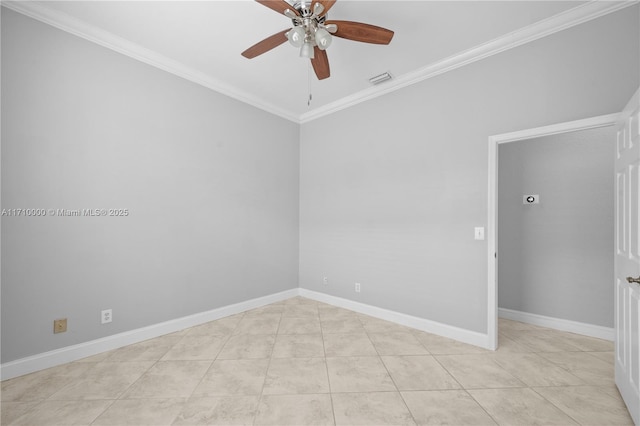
(590, 330)
(460, 334)
(82, 350)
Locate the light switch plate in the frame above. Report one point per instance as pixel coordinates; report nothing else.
(479, 233)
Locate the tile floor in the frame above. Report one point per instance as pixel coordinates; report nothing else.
(302, 362)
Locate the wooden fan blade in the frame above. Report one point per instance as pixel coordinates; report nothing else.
(278, 5)
(320, 63)
(328, 4)
(265, 45)
(365, 33)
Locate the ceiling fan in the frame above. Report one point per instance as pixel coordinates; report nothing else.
(312, 32)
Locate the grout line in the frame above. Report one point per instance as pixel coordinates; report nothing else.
(326, 364)
(389, 373)
(228, 337)
(186, 400)
(362, 319)
(266, 374)
(92, 421)
(550, 402)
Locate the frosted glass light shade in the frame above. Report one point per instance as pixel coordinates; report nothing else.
(323, 38)
(306, 51)
(296, 36)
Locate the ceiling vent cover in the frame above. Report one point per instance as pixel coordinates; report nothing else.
(385, 76)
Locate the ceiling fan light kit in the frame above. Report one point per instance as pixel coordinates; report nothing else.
(313, 34)
(308, 30)
(296, 36)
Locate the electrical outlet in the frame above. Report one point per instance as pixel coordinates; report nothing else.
(59, 325)
(106, 316)
(325, 280)
(357, 287)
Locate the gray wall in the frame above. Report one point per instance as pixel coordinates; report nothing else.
(211, 185)
(391, 189)
(556, 257)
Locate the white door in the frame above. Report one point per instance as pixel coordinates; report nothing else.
(627, 257)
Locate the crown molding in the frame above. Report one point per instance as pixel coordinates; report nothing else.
(562, 21)
(111, 41)
(567, 19)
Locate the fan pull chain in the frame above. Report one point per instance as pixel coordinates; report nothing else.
(309, 82)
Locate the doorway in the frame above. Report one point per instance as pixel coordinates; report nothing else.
(494, 143)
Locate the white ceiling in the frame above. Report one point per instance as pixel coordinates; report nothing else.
(202, 41)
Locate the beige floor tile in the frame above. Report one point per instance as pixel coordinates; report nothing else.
(58, 413)
(169, 379)
(42, 384)
(258, 324)
(299, 325)
(107, 380)
(510, 325)
(348, 345)
(611, 390)
(371, 408)
(358, 374)
(299, 300)
(588, 405)
(534, 370)
(254, 366)
(438, 345)
(450, 407)
(583, 365)
(506, 344)
(519, 407)
(195, 348)
(222, 410)
(294, 410)
(268, 309)
(96, 358)
(328, 312)
(376, 325)
(221, 327)
(140, 412)
(296, 376)
(397, 344)
(10, 411)
(323, 305)
(149, 350)
(233, 377)
(586, 343)
(605, 356)
(341, 325)
(300, 310)
(298, 346)
(247, 346)
(478, 371)
(182, 332)
(418, 372)
(544, 341)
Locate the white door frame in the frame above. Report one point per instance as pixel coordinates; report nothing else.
(492, 225)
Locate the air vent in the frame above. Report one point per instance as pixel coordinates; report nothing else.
(380, 78)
